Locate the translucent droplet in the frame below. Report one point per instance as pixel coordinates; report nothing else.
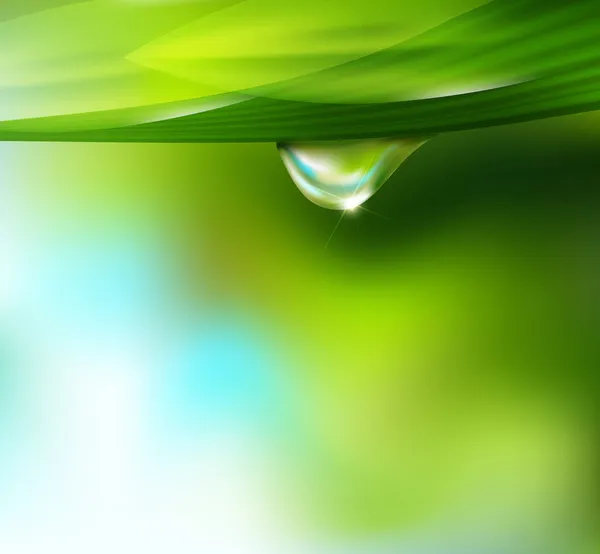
(342, 175)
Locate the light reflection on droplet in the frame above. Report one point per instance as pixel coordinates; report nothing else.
(342, 175)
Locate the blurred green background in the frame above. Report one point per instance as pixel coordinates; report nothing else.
(195, 358)
(435, 358)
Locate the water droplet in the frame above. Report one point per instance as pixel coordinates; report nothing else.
(342, 175)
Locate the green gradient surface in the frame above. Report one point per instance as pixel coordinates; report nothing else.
(259, 70)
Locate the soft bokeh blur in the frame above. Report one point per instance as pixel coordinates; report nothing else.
(192, 360)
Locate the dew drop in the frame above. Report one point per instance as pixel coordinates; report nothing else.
(342, 175)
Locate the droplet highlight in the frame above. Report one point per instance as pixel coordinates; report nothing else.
(342, 175)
